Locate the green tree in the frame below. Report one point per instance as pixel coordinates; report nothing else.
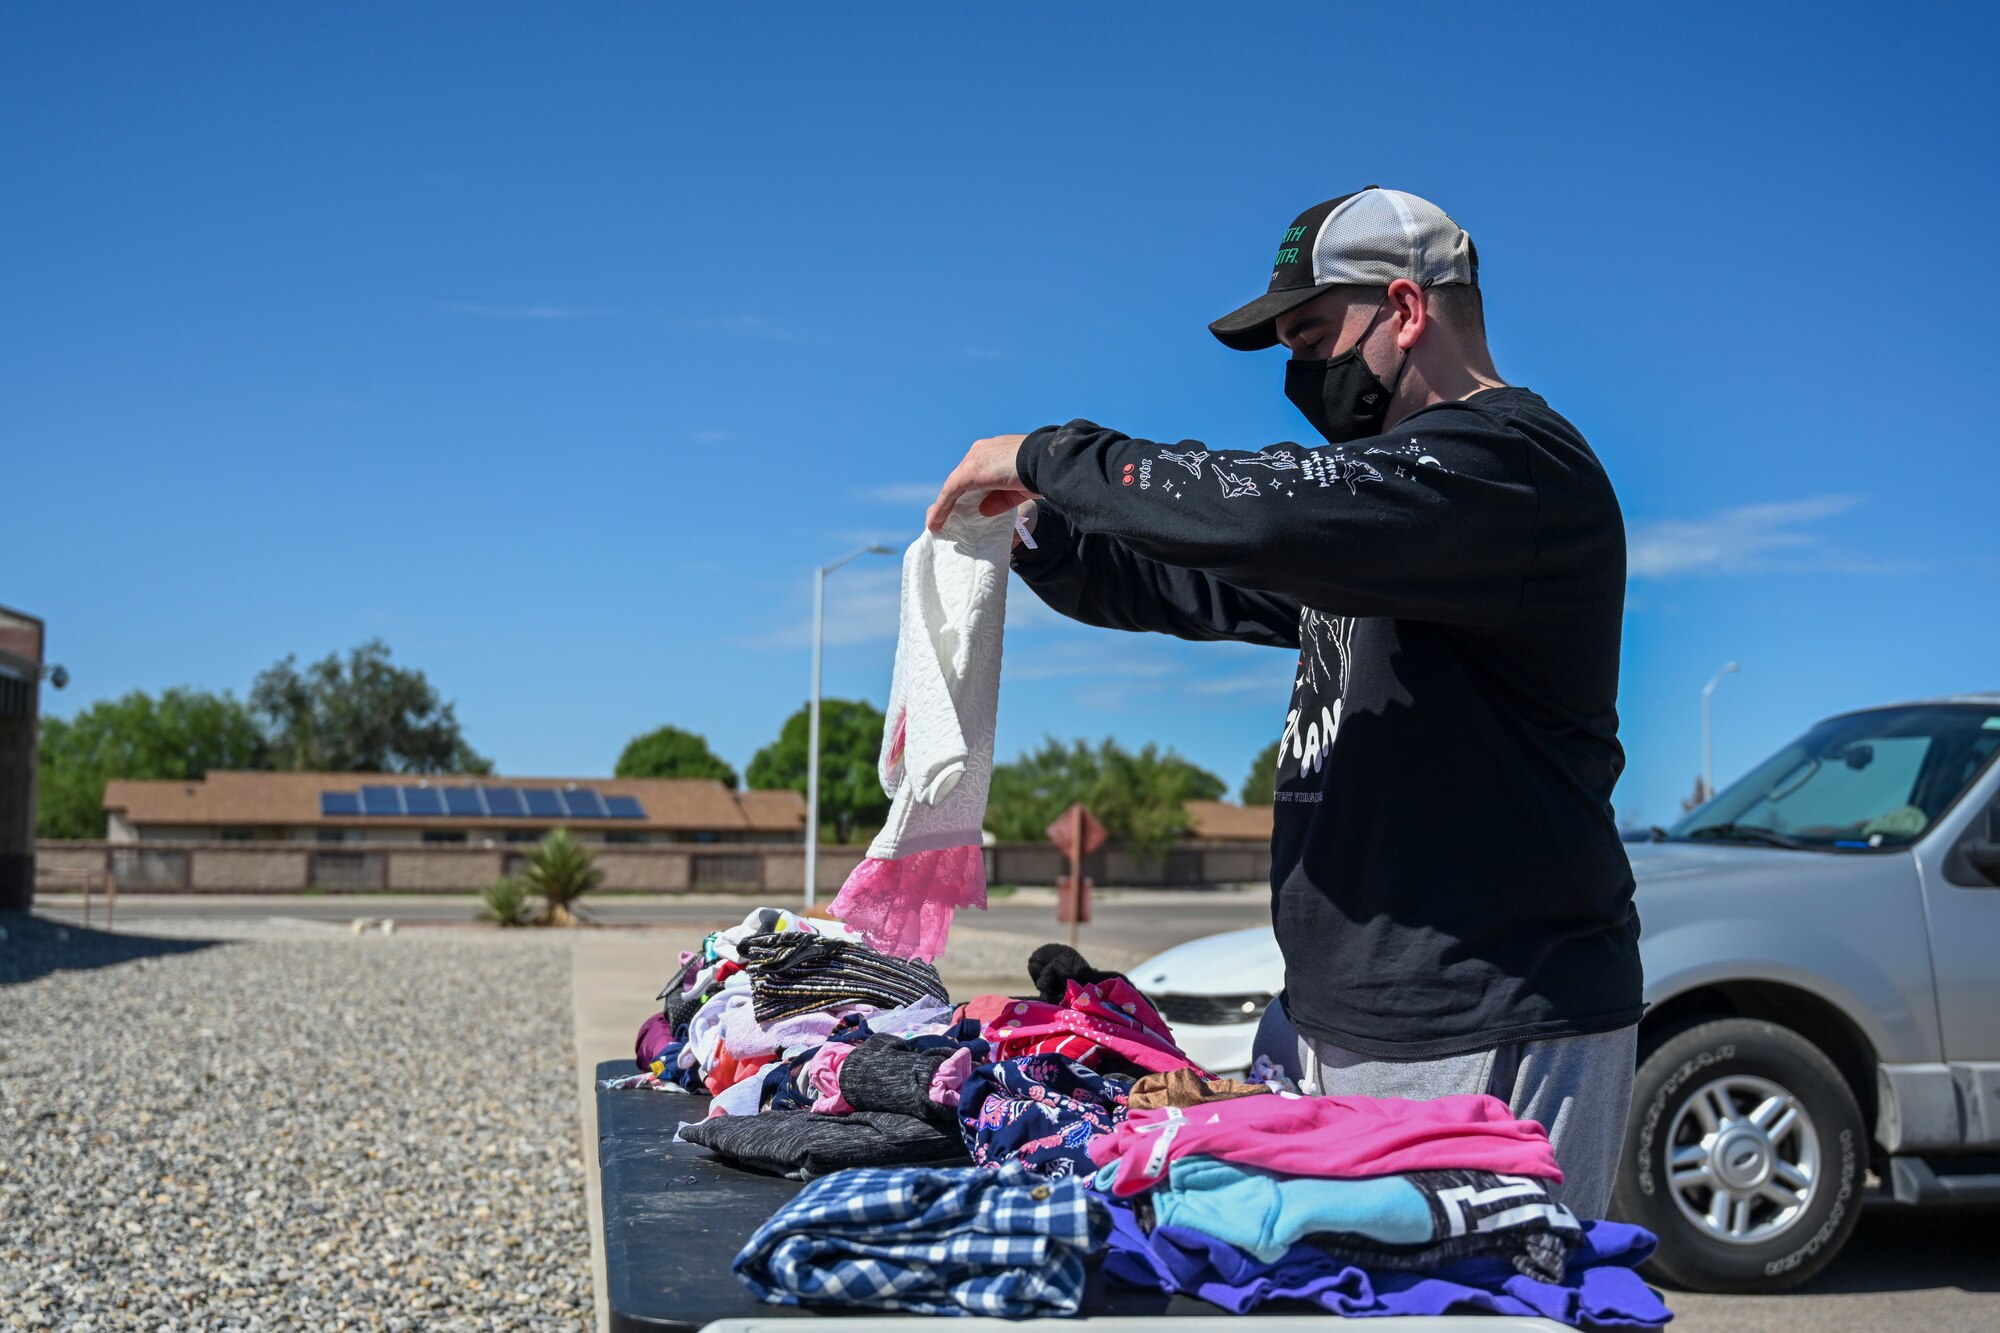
(182, 734)
(673, 753)
(364, 715)
(1260, 788)
(1140, 797)
(850, 745)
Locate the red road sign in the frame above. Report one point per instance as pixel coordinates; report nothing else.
(1067, 824)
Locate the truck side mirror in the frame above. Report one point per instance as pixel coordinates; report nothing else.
(1979, 850)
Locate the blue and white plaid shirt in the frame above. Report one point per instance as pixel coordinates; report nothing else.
(943, 1242)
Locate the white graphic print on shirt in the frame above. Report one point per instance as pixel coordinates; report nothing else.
(1320, 688)
(1325, 643)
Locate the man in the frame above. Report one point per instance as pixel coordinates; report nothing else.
(1448, 888)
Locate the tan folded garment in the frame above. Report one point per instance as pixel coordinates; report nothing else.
(1183, 1087)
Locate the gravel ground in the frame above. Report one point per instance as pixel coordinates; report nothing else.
(281, 1132)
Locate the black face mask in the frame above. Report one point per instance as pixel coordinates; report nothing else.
(1340, 396)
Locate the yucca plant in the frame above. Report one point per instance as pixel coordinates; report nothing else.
(505, 902)
(560, 871)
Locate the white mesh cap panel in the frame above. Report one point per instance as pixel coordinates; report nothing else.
(1381, 235)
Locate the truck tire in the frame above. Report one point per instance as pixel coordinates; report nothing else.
(1744, 1154)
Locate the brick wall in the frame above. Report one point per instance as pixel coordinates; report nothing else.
(748, 868)
(437, 869)
(240, 869)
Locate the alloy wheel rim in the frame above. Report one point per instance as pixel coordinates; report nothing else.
(1743, 1159)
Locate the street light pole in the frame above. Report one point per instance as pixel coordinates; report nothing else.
(1708, 729)
(812, 720)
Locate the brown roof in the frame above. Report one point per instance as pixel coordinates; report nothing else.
(1224, 822)
(693, 804)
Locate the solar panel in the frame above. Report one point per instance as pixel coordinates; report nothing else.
(423, 801)
(543, 801)
(464, 801)
(339, 803)
(584, 803)
(624, 807)
(503, 802)
(381, 800)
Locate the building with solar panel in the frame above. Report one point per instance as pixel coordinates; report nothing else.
(398, 808)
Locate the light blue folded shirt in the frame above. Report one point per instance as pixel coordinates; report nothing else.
(1265, 1215)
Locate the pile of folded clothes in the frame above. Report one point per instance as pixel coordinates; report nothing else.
(970, 1158)
(999, 1080)
(1361, 1205)
(775, 983)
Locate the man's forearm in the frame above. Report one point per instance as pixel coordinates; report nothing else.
(1096, 580)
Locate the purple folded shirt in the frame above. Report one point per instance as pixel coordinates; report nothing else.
(654, 1036)
(1598, 1290)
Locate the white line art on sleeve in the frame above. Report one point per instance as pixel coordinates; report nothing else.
(1233, 485)
(1278, 460)
(1354, 471)
(1191, 460)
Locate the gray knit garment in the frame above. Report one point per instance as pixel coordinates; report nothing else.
(802, 1144)
(885, 1073)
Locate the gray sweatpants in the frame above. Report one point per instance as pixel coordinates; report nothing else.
(1579, 1089)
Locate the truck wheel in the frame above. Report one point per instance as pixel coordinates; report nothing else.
(1744, 1155)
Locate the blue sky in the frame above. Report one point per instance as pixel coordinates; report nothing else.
(556, 344)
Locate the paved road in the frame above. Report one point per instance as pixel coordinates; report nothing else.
(1145, 921)
(1930, 1270)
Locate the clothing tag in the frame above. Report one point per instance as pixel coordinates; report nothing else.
(1156, 1160)
(1021, 527)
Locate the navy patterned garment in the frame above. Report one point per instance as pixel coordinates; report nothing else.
(1040, 1111)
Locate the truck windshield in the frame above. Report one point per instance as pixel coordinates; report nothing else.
(1856, 783)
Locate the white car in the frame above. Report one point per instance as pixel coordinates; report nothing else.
(1214, 992)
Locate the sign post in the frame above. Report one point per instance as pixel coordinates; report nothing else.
(1076, 833)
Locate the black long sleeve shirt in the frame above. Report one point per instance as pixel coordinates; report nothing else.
(1446, 872)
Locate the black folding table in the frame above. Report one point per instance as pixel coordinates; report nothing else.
(675, 1215)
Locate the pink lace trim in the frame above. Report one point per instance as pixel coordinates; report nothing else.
(904, 907)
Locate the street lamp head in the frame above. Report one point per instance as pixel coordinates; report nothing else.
(1732, 666)
(879, 549)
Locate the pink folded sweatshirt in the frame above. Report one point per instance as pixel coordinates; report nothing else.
(1328, 1138)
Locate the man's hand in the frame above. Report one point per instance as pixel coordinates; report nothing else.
(989, 467)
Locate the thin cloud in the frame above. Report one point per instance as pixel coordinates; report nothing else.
(1025, 611)
(1275, 681)
(752, 326)
(522, 311)
(1750, 539)
(901, 493)
(863, 605)
(893, 538)
(1084, 656)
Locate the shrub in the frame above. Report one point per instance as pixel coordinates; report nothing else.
(560, 871)
(505, 902)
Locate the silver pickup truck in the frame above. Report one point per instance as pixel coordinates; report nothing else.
(1822, 953)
